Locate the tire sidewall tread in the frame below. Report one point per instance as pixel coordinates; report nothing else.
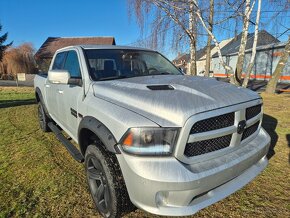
(45, 127)
(120, 201)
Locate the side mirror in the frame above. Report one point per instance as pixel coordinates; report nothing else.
(58, 76)
(181, 70)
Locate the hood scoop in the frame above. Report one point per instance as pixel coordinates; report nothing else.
(160, 87)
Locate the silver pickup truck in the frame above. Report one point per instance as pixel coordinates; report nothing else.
(149, 135)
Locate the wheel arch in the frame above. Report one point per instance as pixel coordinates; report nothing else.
(38, 95)
(91, 129)
(39, 98)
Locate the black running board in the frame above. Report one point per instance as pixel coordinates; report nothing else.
(75, 153)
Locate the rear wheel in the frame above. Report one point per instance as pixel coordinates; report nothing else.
(106, 182)
(42, 118)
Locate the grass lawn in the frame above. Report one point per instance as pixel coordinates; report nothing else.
(38, 177)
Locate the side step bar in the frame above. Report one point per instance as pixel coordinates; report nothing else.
(75, 153)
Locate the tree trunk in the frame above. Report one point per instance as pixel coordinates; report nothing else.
(254, 50)
(208, 49)
(192, 63)
(272, 84)
(241, 55)
(217, 45)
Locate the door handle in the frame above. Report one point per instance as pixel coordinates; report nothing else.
(60, 91)
(47, 86)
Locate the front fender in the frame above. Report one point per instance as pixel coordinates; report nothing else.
(100, 130)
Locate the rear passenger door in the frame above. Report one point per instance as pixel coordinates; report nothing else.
(70, 96)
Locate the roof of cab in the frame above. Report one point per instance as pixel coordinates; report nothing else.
(106, 47)
(113, 47)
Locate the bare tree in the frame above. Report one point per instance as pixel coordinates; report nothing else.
(18, 60)
(241, 54)
(175, 17)
(254, 48)
(217, 45)
(210, 28)
(192, 62)
(272, 84)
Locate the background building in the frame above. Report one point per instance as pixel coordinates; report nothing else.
(45, 53)
(269, 50)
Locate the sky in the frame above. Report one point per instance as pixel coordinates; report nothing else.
(36, 20)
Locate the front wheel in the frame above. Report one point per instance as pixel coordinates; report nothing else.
(106, 182)
(42, 118)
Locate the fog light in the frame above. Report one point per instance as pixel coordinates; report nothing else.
(161, 198)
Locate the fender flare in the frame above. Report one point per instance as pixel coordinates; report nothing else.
(39, 94)
(100, 130)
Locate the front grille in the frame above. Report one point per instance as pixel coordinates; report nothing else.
(250, 130)
(253, 111)
(213, 123)
(206, 146)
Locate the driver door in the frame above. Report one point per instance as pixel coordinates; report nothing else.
(69, 96)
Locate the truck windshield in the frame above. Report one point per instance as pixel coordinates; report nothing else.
(116, 64)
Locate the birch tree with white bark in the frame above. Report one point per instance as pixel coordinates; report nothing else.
(209, 39)
(237, 76)
(272, 84)
(254, 48)
(213, 37)
(175, 17)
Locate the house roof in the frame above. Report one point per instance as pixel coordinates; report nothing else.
(183, 56)
(52, 44)
(200, 53)
(269, 46)
(214, 49)
(264, 38)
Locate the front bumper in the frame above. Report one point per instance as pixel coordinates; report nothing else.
(165, 186)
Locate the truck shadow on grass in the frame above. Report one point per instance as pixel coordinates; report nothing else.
(14, 103)
(270, 124)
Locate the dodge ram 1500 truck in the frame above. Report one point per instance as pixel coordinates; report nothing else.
(149, 135)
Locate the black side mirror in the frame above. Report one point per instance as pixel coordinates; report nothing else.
(75, 81)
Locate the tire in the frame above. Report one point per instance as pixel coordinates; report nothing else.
(106, 182)
(42, 118)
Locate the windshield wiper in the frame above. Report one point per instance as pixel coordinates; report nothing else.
(161, 73)
(112, 78)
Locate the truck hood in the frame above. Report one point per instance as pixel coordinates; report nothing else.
(169, 100)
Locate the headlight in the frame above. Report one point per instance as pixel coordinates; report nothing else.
(150, 141)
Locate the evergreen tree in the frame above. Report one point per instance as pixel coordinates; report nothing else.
(2, 46)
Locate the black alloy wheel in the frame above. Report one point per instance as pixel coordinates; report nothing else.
(98, 185)
(106, 182)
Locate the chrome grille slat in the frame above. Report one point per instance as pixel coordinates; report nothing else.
(211, 134)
